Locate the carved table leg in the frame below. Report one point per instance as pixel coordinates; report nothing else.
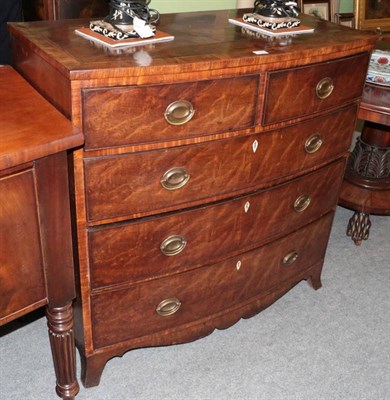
(60, 324)
(366, 186)
(359, 227)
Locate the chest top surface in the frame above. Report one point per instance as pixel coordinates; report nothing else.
(202, 41)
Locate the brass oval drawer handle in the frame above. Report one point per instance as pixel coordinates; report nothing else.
(302, 202)
(168, 307)
(324, 88)
(173, 245)
(175, 178)
(313, 144)
(290, 258)
(179, 112)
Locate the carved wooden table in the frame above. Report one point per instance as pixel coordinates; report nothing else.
(366, 187)
(36, 262)
(209, 177)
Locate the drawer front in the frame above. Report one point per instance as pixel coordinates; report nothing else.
(302, 91)
(131, 313)
(132, 115)
(166, 179)
(161, 245)
(22, 281)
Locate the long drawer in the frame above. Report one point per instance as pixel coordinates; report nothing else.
(161, 245)
(318, 87)
(167, 179)
(130, 115)
(168, 303)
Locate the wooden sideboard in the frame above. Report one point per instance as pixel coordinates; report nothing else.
(209, 177)
(36, 267)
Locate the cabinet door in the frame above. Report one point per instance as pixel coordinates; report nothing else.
(22, 286)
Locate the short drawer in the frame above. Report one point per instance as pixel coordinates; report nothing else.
(161, 245)
(303, 91)
(146, 182)
(142, 114)
(171, 302)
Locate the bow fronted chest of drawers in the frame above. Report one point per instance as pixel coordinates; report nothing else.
(209, 177)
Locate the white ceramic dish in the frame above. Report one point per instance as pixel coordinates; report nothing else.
(379, 68)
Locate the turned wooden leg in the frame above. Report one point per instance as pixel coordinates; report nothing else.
(359, 227)
(60, 324)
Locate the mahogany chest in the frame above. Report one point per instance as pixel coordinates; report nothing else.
(209, 177)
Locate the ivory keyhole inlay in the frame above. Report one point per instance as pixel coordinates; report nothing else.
(255, 145)
(247, 205)
(238, 265)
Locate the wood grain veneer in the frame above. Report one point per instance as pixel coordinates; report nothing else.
(302, 82)
(19, 229)
(260, 142)
(216, 169)
(121, 119)
(211, 232)
(122, 315)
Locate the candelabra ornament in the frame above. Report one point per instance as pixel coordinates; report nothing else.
(274, 14)
(127, 19)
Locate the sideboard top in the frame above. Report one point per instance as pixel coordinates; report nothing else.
(203, 41)
(30, 127)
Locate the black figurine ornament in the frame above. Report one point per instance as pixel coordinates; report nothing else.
(123, 12)
(127, 19)
(274, 14)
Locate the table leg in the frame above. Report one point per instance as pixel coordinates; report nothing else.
(61, 334)
(366, 186)
(359, 227)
